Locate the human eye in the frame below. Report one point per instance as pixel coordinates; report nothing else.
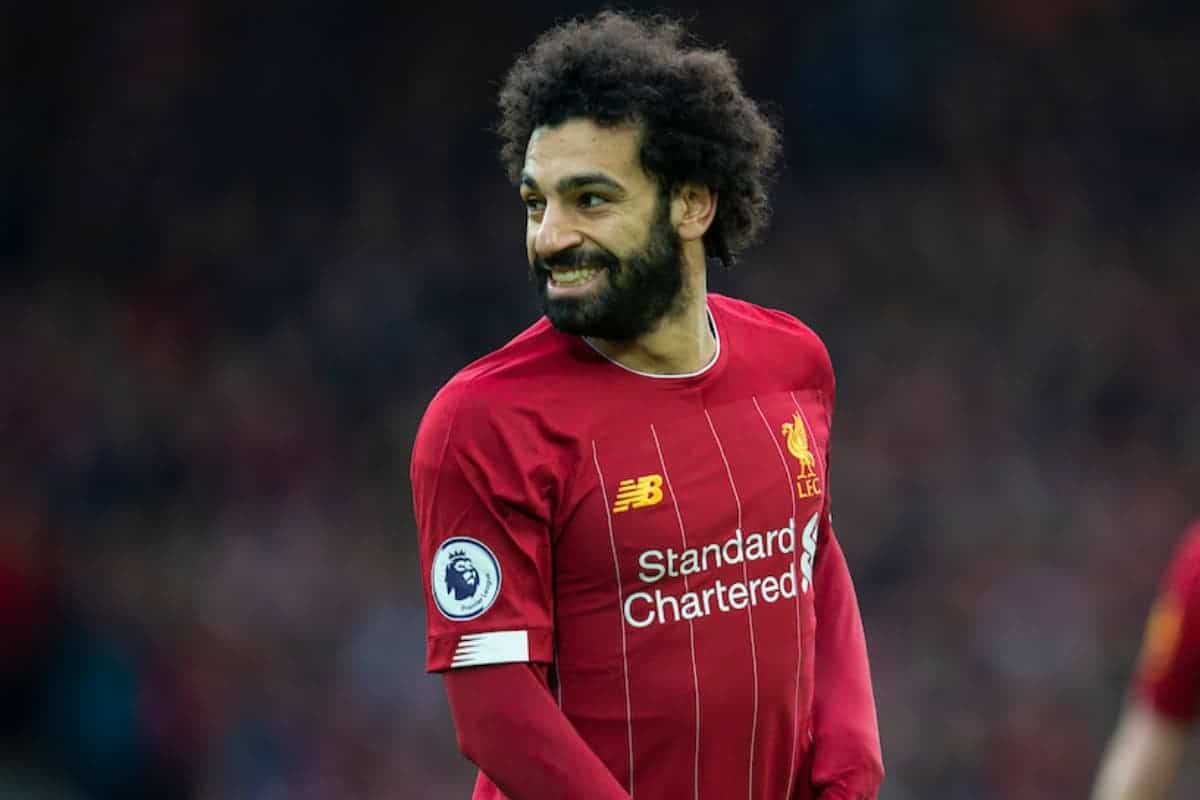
(591, 200)
(533, 203)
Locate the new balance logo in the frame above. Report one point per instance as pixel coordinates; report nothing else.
(645, 491)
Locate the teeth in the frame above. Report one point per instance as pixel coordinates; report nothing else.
(573, 275)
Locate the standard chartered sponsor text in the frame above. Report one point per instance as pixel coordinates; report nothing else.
(645, 608)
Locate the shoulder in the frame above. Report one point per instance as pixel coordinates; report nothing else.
(775, 339)
(491, 388)
(1185, 561)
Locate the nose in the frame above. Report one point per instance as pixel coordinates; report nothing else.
(555, 233)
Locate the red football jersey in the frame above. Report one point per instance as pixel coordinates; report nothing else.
(664, 544)
(1168, 674)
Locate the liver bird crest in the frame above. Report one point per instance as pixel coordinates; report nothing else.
(797, 444)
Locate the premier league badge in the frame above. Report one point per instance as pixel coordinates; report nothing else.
(465, 579)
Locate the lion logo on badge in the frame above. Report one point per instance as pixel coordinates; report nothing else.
(462, 579)
(465, 579)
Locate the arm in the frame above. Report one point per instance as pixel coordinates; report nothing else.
(1145, 752)
(481, 497)
(847, 758)
(1143, 758)
(510, 727)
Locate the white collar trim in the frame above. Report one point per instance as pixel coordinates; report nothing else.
(674, 376)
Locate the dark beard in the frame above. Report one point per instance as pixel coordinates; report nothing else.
(642, 288)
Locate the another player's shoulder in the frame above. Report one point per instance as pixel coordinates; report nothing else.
(1185, 561)
(774, 335)
(494, 383)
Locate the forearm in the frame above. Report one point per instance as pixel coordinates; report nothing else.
(847, 763)
(857, 782)
(846, 760)
(510, 727)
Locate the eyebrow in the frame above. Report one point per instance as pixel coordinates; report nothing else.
(574, 182)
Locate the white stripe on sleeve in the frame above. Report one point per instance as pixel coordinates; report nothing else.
(497, 647)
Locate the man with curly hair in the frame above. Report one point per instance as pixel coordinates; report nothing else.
(638, 483)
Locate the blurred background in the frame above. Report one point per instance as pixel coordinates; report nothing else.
(242, 248)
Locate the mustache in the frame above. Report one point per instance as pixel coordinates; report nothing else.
(576, 257)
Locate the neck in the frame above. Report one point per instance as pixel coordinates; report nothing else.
(682, 342)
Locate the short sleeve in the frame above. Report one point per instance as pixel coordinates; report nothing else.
(481, 501)
(1168, 670)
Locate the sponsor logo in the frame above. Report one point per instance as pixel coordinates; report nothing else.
(639, 493)
(645, 608)
(808, 482)
(465, 578)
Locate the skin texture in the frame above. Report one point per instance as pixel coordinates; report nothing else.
(567, 209)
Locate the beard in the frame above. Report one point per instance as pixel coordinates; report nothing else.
(640, 289)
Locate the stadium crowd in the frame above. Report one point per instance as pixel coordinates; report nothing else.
(242, 250)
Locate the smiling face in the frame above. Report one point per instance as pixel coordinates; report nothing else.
(604, 254)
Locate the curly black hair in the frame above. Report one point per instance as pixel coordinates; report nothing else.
(698, 124)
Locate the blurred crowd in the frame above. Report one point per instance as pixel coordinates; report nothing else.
(241, 251)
